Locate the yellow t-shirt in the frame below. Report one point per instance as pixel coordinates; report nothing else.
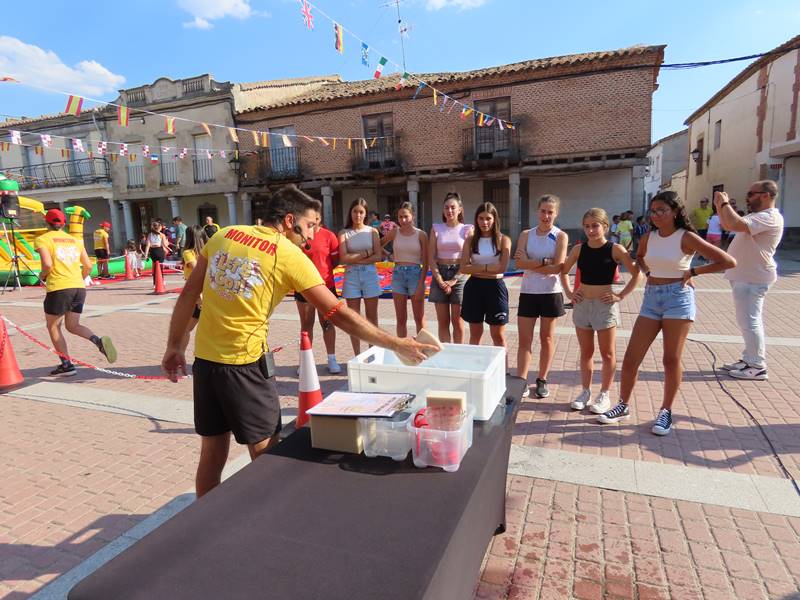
(65, 251)
(100, 237)
(188, 256)
(250, 270)
(624, 229)
(701, 217)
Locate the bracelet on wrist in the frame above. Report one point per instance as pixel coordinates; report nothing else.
(692, 272)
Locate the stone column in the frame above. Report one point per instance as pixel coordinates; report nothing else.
(327, 205)
(638, 198)
(514, 208)
(247, 209)
(127, 214)
(231, 197)
(116, 234)
(174, 206)
(412, 185)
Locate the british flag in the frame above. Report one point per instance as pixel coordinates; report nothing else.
(308, 18)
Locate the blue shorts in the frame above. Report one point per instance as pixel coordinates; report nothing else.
(405, 279)
(361, 281)
(670, 301)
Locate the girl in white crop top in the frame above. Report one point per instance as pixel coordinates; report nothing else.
(485, 258)
(444, 257)
(410, 250)
(359, 250)
(664, 255)
(541, 252)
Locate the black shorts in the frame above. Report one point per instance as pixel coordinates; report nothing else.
(533, 306)
(299, 297)
(100, 253)
(702, 233)
(61, 302)
(237, 398)
(485, 300)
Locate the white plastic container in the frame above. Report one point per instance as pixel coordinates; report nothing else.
(445, 448)
(477, 370)
(387, 437)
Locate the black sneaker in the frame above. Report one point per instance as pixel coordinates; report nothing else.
(663, 424)
(63, 370)
(541, 388)
(616, 414)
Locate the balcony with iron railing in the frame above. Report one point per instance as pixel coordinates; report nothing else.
(203, 169)
(381, 155)
(169, 172)
(490, 146)
(84, 171)
(135, 176)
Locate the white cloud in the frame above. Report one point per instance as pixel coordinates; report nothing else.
(205, 11)
(459, 4)
(32, 64)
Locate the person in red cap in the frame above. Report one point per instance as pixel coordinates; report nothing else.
(65, 265)
(102, 250)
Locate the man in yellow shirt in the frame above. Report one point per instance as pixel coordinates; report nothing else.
(700, 216)
(102, 250)
(244, 272)
(65, 265)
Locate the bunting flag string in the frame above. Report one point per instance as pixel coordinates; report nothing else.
(338, 34)
(379, 67)
(308, 18)
(74, 105)
(364, 54)
(123, 116)
(169, 125)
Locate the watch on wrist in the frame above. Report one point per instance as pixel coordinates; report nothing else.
(692, 272)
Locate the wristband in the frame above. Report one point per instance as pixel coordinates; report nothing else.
(692, 272)
(647, 273)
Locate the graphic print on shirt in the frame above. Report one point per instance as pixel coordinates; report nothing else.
(69, 255)
(233, 276)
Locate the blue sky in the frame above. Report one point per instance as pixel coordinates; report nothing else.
(99, 47)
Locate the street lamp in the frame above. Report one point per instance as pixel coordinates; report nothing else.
(235, 164)
(695, 154)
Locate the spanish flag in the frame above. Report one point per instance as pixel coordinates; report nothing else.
(265, 139)
(123, 115)
(74, 105)
(169, 124)
(338, 34)
(234, 135)
(206, 128)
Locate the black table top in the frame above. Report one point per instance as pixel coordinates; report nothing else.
(305, 523)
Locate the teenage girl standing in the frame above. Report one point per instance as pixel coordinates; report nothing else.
(484, 258)
(541, 252)
(444, 257)
(595, 304)
(157, 245)
(359, 250)
(665, 256)
(410, 268)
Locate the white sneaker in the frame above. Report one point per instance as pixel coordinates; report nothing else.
(601, 404)
(333, 366)
(751, 373)
(580, 402)
(737, 366)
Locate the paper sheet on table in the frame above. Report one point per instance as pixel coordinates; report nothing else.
(359, 404)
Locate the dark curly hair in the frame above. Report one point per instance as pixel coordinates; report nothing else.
(671, 199)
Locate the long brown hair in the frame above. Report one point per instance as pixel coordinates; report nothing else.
(672, 200)
(457, 197)
(496, 235)
(357, 202)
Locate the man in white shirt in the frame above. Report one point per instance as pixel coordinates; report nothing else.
(757, 237)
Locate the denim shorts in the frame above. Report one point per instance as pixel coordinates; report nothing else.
(361, 281)
(405, 279)
(456, 295)
(670, 301)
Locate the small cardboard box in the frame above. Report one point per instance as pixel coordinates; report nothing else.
(340, 434)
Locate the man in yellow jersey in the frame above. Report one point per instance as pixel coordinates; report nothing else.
(102, 250)
(65, 265)
(243, 272)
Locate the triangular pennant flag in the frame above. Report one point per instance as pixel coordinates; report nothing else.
(169, 124)
(154, 159)
(402, 82)
(113, 157)
(480, 120)
(323, 140)
(338, 38)
(419, 89)
(65, 153)
(364, 142)
(308, 18)
(101, 147)
(435, 97)
(236, 154)
(74, 105)
(255, 138)
(234, 135)
(489, 122)
(38, 150)
(265, 139)
(89, 154)
(308, 139)
(334, 143)
(145, 150)
(131, 158)
(209, 154)
(500, 123)
(452, 106)
(5, 146)
(206, 128)
(379, 67)
(444, 103)
(123, 116)
(372, 143)
(349, 143)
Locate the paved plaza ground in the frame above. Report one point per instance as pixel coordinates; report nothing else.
(90, 463)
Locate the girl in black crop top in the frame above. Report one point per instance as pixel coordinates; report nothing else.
(595, 303)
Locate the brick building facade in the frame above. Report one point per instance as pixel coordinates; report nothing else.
(583, 132)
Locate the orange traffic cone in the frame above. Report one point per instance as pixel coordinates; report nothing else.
(310, 393)
(617, 276)
(10, 374)
(128, 268)
(160, 287)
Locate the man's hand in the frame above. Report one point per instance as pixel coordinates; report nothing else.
(412, 351)
(174, 364)
(719, 199)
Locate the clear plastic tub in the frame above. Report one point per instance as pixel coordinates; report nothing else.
(387, 437)
(444, 442)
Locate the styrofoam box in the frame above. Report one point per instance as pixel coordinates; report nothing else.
(477, 370)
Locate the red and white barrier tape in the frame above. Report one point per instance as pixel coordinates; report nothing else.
(89, 365)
